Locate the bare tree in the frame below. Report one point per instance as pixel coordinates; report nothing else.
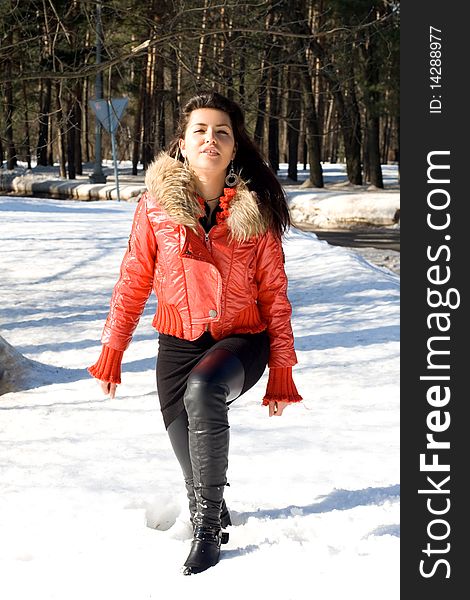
(330, 60)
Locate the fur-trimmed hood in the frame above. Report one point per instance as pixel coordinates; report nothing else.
(174, 186)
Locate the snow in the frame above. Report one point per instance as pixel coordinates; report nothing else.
(342, 205)
(92, 501)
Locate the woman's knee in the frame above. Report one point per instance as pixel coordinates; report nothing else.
(218, 377)
(204, 395)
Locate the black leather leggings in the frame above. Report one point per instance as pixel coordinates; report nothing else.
(200, 433)
(220, 368)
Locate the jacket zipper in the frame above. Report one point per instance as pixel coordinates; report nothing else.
(208, 246)
(208, 242)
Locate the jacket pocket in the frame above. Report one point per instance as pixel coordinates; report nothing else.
(203, 290)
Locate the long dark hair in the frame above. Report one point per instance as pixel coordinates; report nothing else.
(248, 161)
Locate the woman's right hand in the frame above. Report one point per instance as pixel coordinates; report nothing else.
(109, 389)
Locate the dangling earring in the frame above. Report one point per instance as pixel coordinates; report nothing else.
(232, 178)
(178, 154)
(185, 161)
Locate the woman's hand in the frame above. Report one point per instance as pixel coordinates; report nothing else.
(109, 389)
(276, 407)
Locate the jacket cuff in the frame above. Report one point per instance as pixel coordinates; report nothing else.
(281, 386)
(108, 365)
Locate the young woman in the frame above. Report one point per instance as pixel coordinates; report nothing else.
(206, 237)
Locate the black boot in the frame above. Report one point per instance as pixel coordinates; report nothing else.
(207, 537)
(205, 551)
(178, 434)
(225, 520)
(205, 547)
(191, 499)
(212, 381)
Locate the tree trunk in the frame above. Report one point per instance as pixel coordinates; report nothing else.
(50, 143)
(200, 64)
(335, 150)
(273, 119)
(318, 82)
(148, 110)
(227, 53)
(175, 90)
(262, 89)
(137, 136)
(27, 139)
(386, 131)
(350, 121)
(372, 100)
(329, 130)
(365, 157)
(319, 97)
(159, 105)
(162, 10)
(261, 111)
(45, 98)
(78, 119)
(9, 106)
(313, 133)
(70, 138)
(60, 131)
(373, 136)
(293, 123)
(86, 121)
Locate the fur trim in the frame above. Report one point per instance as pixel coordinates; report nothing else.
(174, 187)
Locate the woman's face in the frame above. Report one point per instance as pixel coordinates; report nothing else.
(209, 142)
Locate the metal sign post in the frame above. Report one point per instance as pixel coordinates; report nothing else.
(109, 112)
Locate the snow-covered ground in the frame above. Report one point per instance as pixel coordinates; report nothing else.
(340, 205)
(92, 501)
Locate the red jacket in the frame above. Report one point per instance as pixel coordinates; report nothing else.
(231, 280)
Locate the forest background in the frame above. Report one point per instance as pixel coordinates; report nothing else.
(318, 79)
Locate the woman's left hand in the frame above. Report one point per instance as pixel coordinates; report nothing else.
(276, 407)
